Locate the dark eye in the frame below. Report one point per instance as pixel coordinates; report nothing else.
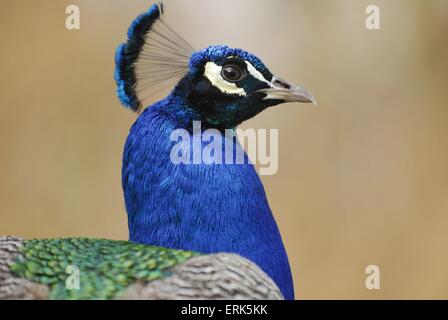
(232, 73)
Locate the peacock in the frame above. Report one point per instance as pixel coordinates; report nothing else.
(200, 227)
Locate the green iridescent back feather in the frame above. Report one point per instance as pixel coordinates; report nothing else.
(105, 266)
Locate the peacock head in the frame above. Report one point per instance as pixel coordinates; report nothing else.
(219, 85)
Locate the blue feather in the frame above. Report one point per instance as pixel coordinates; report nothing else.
(207, 208)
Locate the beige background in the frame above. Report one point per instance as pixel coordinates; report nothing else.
(363, 179)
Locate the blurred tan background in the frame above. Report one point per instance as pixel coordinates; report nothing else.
(363, 178)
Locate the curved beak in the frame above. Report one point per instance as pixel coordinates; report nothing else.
(282, 90)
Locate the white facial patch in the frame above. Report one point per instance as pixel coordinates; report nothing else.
(213, 74)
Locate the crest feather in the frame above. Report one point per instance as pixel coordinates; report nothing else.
(153, 56)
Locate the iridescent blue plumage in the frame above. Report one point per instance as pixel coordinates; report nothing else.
(208, 208)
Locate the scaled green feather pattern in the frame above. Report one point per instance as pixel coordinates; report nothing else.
(105, 266)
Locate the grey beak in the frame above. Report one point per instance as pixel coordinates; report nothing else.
(282, 90)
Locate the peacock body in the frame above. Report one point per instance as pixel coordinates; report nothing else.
(197, 229)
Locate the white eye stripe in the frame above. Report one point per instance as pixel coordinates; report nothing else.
(213, 74)
(257, 74)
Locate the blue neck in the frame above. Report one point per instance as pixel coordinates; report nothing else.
(206, 208)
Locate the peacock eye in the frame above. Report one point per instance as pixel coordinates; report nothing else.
(232, 73)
